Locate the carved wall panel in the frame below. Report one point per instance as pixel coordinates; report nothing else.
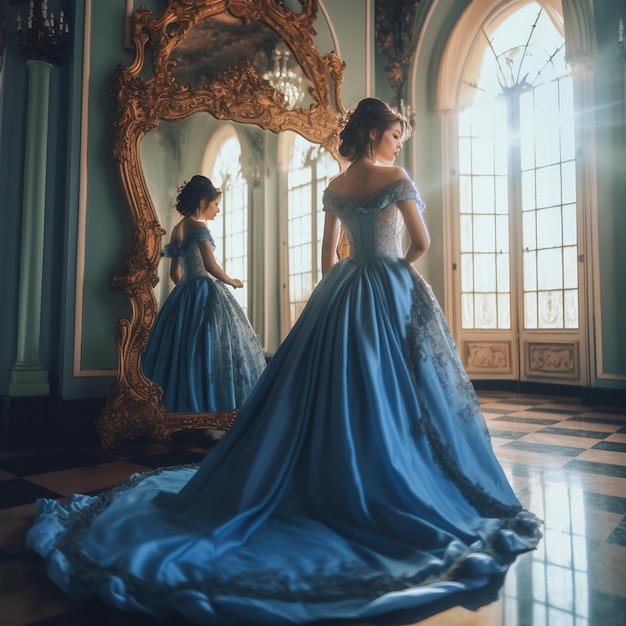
(554, 360)
(487, 357)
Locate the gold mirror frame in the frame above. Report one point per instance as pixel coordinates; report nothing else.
(134, 405)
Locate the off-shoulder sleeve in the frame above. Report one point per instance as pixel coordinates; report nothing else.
(194, 237)
(169, 251)
(402, 189)
(199, 234)
(407, 190)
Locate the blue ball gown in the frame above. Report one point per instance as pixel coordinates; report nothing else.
(358, 481)
(202, 350)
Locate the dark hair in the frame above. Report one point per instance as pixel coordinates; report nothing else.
(370, 114)
(191, 193)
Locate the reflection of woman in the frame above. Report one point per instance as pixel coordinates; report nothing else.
(358, 480)
(202, 350)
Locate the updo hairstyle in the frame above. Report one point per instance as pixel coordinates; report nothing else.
(370, 114)
(191, 193)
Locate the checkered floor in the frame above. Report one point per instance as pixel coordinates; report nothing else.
(567, 462)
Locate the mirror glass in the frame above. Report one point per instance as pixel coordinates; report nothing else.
(218, 42)
(175, 151)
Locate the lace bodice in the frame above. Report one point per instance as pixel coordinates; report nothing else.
(373, 225)
(188, 253)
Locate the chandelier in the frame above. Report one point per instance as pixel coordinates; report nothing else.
(42, 37)
(284, 79)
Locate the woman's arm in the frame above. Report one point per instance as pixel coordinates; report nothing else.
(212, 266)
(330, 241)
(176, 272)
(416, 227)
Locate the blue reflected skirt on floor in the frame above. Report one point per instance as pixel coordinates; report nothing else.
(358, 482)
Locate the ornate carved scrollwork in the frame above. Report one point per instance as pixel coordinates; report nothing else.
(147, 94)
(395, 40)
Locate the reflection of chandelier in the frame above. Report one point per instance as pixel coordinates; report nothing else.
(42, 37)
(284, 80)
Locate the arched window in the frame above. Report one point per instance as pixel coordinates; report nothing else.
(230, 229)
(309, 170)
(517, 292)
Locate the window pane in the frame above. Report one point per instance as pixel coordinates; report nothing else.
(550, 269)
(231, 235)
(504, 311)
(467, 278)
(547, 125)
(530, 310)
(502, 233)
(483, 194)
(528, 190)
(570, 267)
(569, 225)
(482, 155)
(568, 181)
(486, 310)
(548, 187)
(529, 230)
(571, 308)
(503, 280)
(467, 310)
(530, 270)
(466, 233)
(527, 138)
(484, 233)
(465, 194)
(550, 309)
(566, 118)
(485, 272)
(549, 232)
(502, 194)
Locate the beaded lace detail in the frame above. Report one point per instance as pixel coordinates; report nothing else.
(374, 225)
(189, 253)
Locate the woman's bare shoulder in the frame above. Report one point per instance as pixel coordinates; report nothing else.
(183, 229)
(393, 173)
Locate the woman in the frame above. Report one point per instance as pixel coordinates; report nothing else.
(202, 350)
(358, 481)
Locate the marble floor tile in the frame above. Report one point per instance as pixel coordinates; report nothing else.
(599, 525)
(514, 425)
(523, 417)
(556, 439)
(4, 475)
(603, 456)
(607, 569)
(87, 479)
(505, 453)
(617, 437)
(587, 425)
(14, 523)
(27, 595)
(504, 406)
(565, 460)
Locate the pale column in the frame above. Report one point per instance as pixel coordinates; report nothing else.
(29, 376)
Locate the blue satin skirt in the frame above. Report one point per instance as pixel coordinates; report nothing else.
(202, 350)
(358, 482)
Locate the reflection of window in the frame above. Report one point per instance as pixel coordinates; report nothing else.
(310, 169)
(230, 228)
(551, 586)
(517, 181)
